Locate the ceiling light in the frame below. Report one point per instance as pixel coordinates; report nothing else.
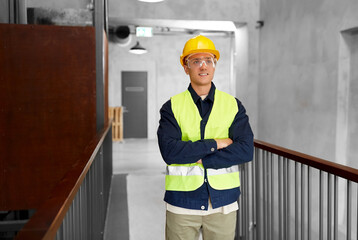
(138, 49)
(151, 1)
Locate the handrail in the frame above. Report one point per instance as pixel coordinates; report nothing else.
(49, 216)
(291, 195)
(321, 164)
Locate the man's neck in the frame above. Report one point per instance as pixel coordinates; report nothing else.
(201, 90)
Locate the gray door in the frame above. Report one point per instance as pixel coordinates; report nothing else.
(134, 101)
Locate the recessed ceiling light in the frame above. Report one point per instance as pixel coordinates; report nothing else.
(151, 1)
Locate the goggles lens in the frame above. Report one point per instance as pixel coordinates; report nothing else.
(198, 62)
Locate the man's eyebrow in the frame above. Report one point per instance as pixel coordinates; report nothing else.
(200, 58)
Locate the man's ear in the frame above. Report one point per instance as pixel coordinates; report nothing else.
(186, 69)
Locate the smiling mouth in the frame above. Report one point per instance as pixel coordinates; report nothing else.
(203, 74)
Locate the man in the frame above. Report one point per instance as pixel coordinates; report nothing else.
(203, 135)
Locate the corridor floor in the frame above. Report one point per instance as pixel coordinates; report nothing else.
(136, 208)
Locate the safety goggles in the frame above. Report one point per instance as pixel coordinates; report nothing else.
(198, 62)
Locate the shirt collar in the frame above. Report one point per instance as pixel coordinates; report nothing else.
(196, 97)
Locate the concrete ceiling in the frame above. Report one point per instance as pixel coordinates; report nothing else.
(170, 27)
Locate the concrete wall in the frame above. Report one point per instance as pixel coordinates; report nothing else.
(300, 73)
(184, 9)
(353, 109)
(76, 4)
(166, 76)
(4, 12)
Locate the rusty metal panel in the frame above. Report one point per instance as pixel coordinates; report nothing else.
(47, 107)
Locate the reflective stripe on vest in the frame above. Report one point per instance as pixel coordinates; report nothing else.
(224, 178)
(189, 177)
(184, 177)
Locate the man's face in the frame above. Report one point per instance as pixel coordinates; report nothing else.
(201, 68)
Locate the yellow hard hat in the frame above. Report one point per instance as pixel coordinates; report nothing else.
(199, 44)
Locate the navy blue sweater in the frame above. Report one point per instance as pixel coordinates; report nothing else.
(176, 151)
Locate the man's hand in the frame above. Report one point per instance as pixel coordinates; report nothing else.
(223, 143)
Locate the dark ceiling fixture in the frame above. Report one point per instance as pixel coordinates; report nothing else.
(138, 49)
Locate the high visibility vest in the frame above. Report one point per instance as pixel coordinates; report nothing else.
(189, 177)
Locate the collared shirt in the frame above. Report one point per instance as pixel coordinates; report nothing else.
(176, 151)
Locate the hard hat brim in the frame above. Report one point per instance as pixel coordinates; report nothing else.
(215, 52)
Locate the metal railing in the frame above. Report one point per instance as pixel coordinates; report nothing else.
(290, 195)
(77, 207)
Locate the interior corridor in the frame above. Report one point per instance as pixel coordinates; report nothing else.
(136, 208)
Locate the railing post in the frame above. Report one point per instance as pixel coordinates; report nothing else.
(303, 205)
(254, 196)
(288, 200)
(272, 198)
(284, 198)
(264, 187)
(321, 191)
(241, 208)
(243, 201)
(349, 210)
(258, 197)
(296, 201)
(335, 229)
(309, 203)
(247, 209)
(280, 198)
(329, 207)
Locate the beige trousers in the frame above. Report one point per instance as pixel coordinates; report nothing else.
(215, 226)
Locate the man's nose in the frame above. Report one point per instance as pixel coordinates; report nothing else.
(202, 64)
